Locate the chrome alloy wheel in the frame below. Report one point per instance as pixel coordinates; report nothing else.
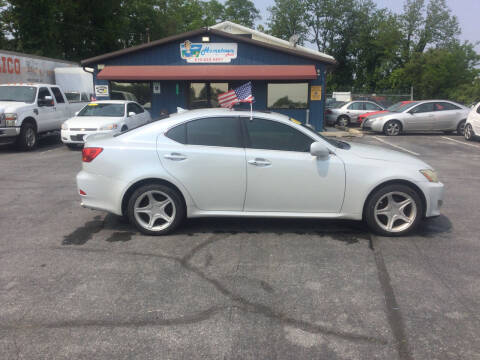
(395, 212)
(154, 210)
(392, 128)
(30, 138)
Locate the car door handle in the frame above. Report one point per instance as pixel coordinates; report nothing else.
(175, 157)
(259, 162)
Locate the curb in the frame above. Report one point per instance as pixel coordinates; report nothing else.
(345, 132)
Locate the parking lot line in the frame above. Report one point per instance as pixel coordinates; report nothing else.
(396, 146)
(460, 142)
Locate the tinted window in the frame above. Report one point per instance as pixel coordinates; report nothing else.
(355, 106)
(272, 135)
(371, 106)
(58, 95)
(218, 131)
(178, 134)
(422, 108)
(444, 106)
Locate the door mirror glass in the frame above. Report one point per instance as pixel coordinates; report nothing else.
(131, 113)
(319, 150)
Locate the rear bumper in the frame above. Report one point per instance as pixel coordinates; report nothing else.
(102, 193)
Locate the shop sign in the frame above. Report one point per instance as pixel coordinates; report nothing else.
(208, 52)
(315, 93)
(156, 87)
(101, 90)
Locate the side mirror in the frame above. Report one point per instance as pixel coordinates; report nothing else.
(319, 150)
(46, 101)
(131, 113)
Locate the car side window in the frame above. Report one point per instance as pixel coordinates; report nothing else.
(137, 108)
(58, 95)
(372, 106)
(178, 134)
(43, 93)
(422, 108)
(130, 108)
(478, 109)
(272, 135)
(355, 106)
(444, 106)
(214, 131)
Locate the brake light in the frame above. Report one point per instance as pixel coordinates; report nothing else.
(90, 153)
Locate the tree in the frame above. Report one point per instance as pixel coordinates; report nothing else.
(287, 18)
(242, 12)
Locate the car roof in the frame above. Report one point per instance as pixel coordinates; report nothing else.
(187, 115)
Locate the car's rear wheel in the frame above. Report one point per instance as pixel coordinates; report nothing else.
(461, 127)
(124, 128)
(394, 210)
(469, 134)
(392, 128)
(155, 209)
(343, 121)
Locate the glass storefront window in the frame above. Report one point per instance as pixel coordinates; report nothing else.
(140, 92)
(204, 95)
(287, 96)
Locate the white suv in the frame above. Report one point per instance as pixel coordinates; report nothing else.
(472, 127)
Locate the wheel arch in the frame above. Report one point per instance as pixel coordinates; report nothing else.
(30, 120)
(137, 184)
(401, 182)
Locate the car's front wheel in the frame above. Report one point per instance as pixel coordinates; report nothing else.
(469, 134)
(155, 209)
(28, 138)
(392, 128)
(394, 210)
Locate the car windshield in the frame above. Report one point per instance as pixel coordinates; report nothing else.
(402, 106)
(18, 93)
(103, 109)
(334, 142)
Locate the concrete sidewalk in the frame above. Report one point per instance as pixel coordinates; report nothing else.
(340, 131)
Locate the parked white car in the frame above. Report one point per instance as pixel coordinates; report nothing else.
(27, 110)
(219, 162)
(428, 115)
(472, 127)
(108, 116)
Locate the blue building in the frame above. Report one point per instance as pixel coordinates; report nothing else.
(189, 70)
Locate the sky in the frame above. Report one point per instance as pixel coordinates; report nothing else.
(467, 12)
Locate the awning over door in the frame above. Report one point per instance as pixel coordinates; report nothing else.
(209, 72)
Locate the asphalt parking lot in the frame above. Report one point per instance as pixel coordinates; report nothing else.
(80, 284)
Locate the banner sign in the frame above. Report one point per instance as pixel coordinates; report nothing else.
(208, 52)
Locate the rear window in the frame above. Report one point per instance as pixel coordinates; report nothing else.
(99, 109)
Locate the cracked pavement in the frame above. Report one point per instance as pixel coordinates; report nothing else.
(80, 284)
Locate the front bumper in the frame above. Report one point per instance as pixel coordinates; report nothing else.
(78, 137)
(8, 134)
(434, 197)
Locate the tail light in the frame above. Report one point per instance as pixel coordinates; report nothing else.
(90, 153)
(328, 111)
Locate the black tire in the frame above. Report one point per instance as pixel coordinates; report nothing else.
(174, 209)
(468, 133)
(124, 128)
(461, 127)
(343, 120)
(392, 128)
(28, 138)
(399, 227)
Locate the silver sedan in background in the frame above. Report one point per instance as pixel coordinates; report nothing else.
(347, 113)
(427, 115)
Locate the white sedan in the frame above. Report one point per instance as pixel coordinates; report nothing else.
(472, 128)
(103, 117)
(220, 162)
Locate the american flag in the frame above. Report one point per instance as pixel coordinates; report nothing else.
(241, 94)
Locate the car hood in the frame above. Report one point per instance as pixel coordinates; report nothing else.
(91, 121)
(380, 153)
(372, 114)
(11, 106)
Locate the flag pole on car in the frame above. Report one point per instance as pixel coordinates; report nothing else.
(238, 95)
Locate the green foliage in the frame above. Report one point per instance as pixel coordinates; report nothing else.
(242, 12)
(287, 18)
